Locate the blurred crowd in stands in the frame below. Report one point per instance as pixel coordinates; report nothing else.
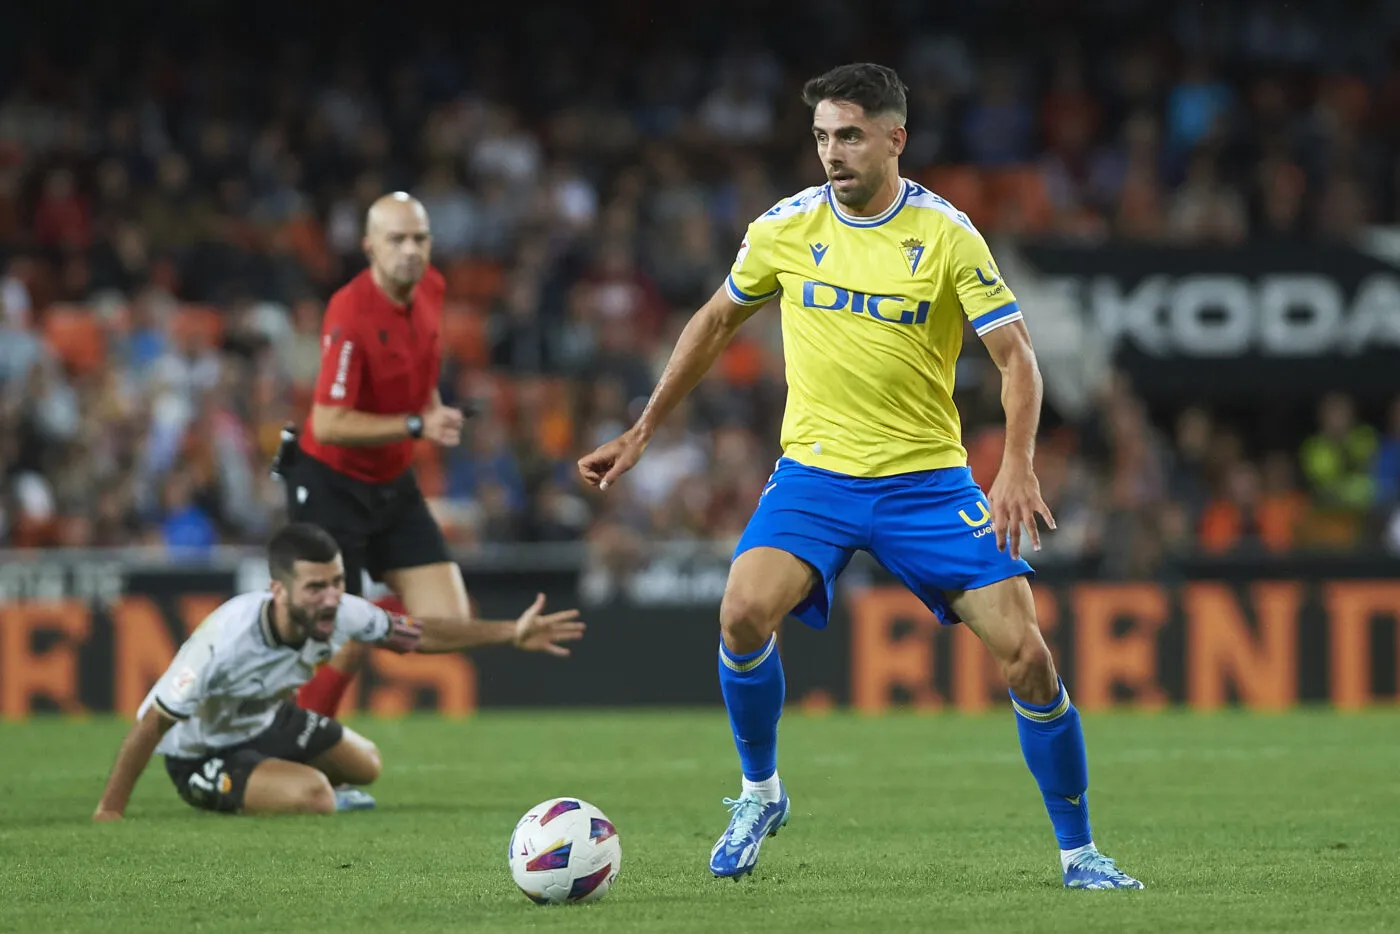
(175, 213)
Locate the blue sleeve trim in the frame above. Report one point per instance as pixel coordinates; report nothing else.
(1008, 312)
(741, 297)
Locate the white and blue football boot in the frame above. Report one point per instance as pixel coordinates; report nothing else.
(750, 822)
(1092, 870)
(348, 798)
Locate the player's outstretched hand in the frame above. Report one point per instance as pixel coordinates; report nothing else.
(1015, 500)
(442, 425)
(104, 816)
(543, 633)
(612, 460)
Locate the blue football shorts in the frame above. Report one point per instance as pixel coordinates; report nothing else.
(931, 529)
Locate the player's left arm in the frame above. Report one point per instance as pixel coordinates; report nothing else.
(1015, 495)
(996, 316)
(533, 631)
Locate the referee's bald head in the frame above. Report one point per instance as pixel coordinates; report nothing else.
(398, 242)
(392, 209)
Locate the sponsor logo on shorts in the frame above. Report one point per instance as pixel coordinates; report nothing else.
(982, 518)
(313, 723)
(202, 785)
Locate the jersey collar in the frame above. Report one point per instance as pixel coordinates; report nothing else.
(883, 217)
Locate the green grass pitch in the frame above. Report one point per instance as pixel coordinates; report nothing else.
(1235, 822)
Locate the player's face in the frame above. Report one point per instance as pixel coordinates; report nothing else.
(857, 150)
(399, 243)
(314, 597)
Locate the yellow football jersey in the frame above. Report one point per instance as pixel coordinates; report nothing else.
(872, 316)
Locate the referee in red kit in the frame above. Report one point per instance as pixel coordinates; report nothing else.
(376, 394)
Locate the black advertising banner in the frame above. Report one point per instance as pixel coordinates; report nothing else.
(1258, 319)
(80, 637)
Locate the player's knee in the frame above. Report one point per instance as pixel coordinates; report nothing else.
(317, 796)
(370, 766)
(746, 621)
(1030, 670)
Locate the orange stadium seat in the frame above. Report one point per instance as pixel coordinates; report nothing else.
(555, 430)
(464, 333)
(477, 280)
(304, 237)
(1019, 200)
(742, 363)
(427, 463)
(202, 322)
(76, 337)
(961, 184)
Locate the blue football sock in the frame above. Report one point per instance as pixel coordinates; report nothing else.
(753, 689)
(1052, 741)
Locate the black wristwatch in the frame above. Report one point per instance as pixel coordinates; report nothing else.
(415, 426)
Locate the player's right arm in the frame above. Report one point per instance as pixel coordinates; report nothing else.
(175, 697)
(334, 418)
(136, 751)
(752, 282)
(533, 631)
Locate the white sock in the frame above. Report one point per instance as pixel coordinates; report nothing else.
(1067, 856)
(767, 790)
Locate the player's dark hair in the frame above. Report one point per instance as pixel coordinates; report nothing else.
(875, 88)
(299, 541)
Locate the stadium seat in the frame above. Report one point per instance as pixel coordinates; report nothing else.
(464, 333)
(960, 184)
(76, 337)
(427, 463)
(742, 363)
(303, 236)
(1018, 200)
(554, 430)
(204, 323)
(476, 280)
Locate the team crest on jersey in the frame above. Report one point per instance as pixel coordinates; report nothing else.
(913, 252)
(743, 252)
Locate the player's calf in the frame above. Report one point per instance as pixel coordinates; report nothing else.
(764, 584)
(354, 760)
(277, 786)
(1047, 723)
(1029, 669)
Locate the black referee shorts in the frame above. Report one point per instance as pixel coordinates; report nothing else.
(379, 526)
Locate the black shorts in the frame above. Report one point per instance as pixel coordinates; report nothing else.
(379, 526)
(218, 781)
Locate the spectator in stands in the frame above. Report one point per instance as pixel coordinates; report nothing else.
(185, 529)
(1386, 476)
(592, 209)
(1339, 461)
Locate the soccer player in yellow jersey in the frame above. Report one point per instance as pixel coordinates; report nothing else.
(875, 274)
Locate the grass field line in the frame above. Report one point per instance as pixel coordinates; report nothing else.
(952, 757)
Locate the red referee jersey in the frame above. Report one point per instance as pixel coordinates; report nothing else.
(381, 357)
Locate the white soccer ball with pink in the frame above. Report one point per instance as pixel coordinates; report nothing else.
(564, 850)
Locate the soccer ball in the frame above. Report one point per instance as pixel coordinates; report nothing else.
(564, 850)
